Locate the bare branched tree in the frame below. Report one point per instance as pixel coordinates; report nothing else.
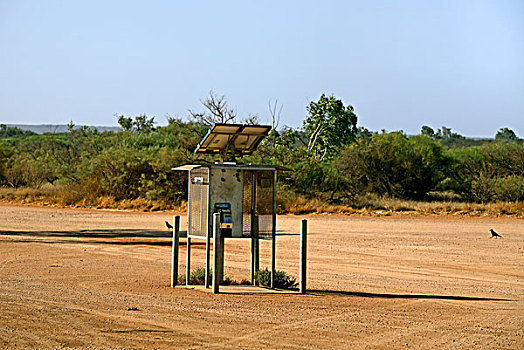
(217, 110)
(275, 120)
(275, 117)
(252, 119)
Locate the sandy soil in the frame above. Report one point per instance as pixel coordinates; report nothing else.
(73, 278)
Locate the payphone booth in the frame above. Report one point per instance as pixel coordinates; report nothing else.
(244, 195)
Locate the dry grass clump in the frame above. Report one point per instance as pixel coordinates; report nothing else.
(369, 204)
(74, 196)
(27, 195)
(448, 207)
(301, 205)
(374, 205)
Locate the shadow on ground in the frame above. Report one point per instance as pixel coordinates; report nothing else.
(249, 289)
(321, 292)
(95, 236)
(100, 236)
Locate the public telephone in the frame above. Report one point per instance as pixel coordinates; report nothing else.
(226, 218)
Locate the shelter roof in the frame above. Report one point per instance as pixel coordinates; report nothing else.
(226, 165)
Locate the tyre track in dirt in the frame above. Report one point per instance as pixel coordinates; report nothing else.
(269, 331)
(367, 266)
(126, 322)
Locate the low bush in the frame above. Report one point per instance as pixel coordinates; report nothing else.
(509, 188)
(282, 280)
(198, 276)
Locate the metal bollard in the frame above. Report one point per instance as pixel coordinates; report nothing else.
(188, 260)
(175, 251)
(303, 256)
(216, 252)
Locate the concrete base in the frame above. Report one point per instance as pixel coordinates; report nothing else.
(243, 289)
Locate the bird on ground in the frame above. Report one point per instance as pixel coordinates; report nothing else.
(169, 226)
(494, 234)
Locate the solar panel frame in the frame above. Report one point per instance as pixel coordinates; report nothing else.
(233, 139)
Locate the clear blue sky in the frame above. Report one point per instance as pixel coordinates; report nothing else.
(401, 64)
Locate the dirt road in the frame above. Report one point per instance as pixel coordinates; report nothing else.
(72, 278)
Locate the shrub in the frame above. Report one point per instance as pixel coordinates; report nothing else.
(509, 188)
(282, 280)
(198, 276)
(490, 172)
(393, 165)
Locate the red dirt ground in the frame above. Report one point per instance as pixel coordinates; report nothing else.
(73, 278)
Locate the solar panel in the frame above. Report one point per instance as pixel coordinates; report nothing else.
(233, 139)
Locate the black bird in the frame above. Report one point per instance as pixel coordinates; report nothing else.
(169, 226)
(494, 234)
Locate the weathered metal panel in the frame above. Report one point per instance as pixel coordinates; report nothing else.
(226, 187)
(229, 184)
(264, 202)
(198, 202)
(247, 199)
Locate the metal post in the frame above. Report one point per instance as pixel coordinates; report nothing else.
(253, 270)
(208, 253)
(175, 251)
(256, 261)
(188, 259)
(220, 267)
(216, 251)
(252, 218)
(208, 234)
(303, 256)
(274, 232)
(188, 240)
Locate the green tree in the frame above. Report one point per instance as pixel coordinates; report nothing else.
(489, 172)
(125, 122)
(328, 126)
(9, 131)
(143, 124)
(450, 139)
(506, 134)
(446, 133)
(427, 131)
(6, 151)
(363, 132)
(394, 165)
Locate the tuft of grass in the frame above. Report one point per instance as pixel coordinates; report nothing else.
(198, 276)
(282, 280)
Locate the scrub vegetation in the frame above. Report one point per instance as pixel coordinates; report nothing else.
(335, 165)
(282, 279)
(198, 277)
